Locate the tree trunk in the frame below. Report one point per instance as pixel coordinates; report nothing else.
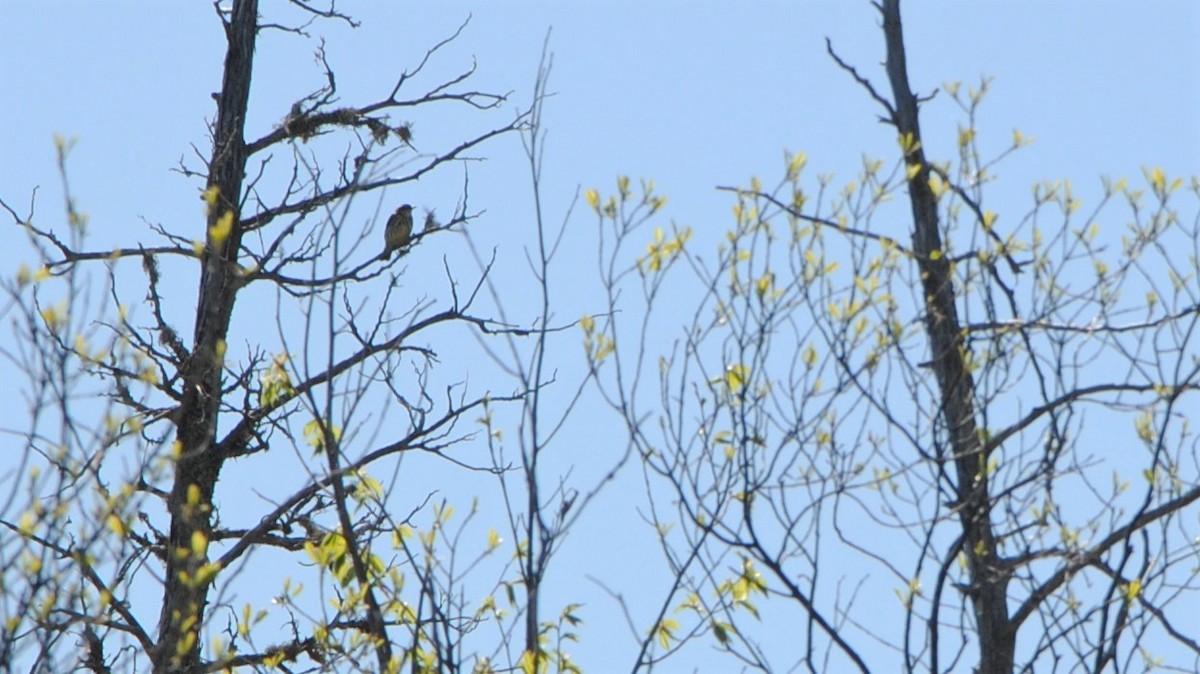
(988, 578)
(198, 464)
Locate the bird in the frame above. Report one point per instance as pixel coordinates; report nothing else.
(398, 231)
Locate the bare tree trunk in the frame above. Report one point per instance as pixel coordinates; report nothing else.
(199, 462)
(989, 578)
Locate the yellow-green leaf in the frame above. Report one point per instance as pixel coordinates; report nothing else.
(221, 229)
(736, 377)
(666, 632)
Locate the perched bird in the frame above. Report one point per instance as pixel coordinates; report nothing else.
(398, 231)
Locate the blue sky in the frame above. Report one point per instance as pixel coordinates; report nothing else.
(693, 95)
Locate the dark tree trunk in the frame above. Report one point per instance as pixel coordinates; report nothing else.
(198, 464)
(988, 578)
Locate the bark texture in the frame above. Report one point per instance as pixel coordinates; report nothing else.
(199, 462)
(988, 588)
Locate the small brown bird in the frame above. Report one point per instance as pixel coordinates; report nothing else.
(398, 231)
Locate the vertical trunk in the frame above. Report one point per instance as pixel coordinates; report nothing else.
(532, 568)
(198, 464)
(956, 385)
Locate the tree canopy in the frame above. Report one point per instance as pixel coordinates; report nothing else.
(898, 420)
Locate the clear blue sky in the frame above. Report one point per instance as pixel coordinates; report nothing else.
(693, 95)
